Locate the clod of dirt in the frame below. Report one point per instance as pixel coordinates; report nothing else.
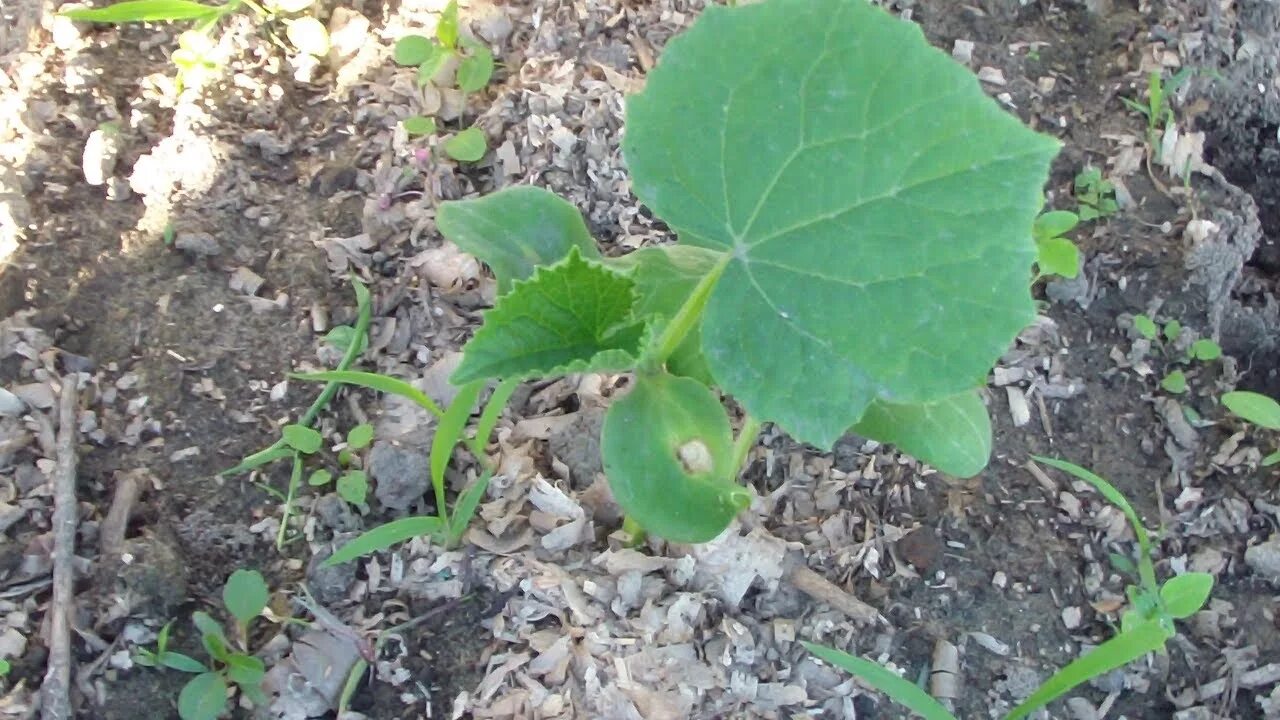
(577, 445)
(329, 583)
(150, 576)
(402, 474)
(921, 548)
(1264, 559)
(336, 514)
(197, 244)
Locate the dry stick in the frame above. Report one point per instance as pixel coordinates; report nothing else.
(111, 534)
(56, 690)
(824, 591)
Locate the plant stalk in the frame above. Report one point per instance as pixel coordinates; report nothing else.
(686, 318)
(746, 440)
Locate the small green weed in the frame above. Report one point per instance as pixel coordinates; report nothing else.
(197, 58)
(1145, 627)
(1165, 338)
(1156, 109)
(1055, 254)
(1257, 409)
(205, 697)
(474, 70)
(1097, 197)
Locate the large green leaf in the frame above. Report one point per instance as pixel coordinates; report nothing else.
(574, 316)
(668, 453)
(515, 230)
(877, 204)
(953, 434)
(665, 276)
(146, 11)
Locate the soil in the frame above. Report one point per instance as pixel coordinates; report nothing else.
(184, 368)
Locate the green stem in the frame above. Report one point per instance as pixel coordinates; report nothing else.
(746, 440)
(686, 318)
(295, 480)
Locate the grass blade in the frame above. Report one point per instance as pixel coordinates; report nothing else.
(1114, 653)
(384, 536)
(493, 411)
(145, 11)
(279, 451)
(448, 433)
(877, 676)
(374, 381)
(465, 508)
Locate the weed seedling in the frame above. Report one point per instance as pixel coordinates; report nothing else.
(1097, 197)
(1055, 254)
(205, 697)
(1166, 339)
(1258, 409)
(1146, 626)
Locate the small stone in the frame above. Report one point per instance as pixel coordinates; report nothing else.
(197, 244)
(329, 583)
(11, 405)
(100, 153)
(921, 548)
(246, 281)
(336, 514)
(37, 395)
(994, 76)
(402, 474)
(348, 32)
(1071, 617)
(1264, 559)
(962, 51)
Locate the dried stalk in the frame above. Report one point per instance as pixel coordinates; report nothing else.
(56, 690)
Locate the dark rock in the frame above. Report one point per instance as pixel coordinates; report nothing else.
(402, 474)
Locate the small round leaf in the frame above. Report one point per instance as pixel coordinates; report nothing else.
(476, 68)
(1254, 407)
(353, 487)
(302, 438)
(413, 50)
(467, 146)
(1205, 349)
(1058, 256)
(1175, 382)
(360, 436)
(319, 477)
(245, 594)
(203, 698)
(419, 125)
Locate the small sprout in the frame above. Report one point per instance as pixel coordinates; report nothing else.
(1172, 330)
(1056, 255)
(447, 27)
(353, 487)
(245, 595)
(467, 146)
(359, 437)
(1254, 407)
(1175, 382)
(1097, 197)
(302, 438)
(345, 457)
(419, 125)
(413, 50)
(1205, 349)
(319, 478)
(1145, 326)
(476, 67)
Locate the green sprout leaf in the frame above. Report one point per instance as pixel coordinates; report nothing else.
(319, 478)
(211, 635)
(1117, 652)
(353, 487)
(1172, 330)
(302, 438)
(449, 432)
(1058, 256)
(1205, 349)
(465, 508)
(515, 230)
(419, 125)
(245, 669)
(341, 336)
(181, 663)
(574, 316)
(374, 381)
(203, 697)
(432, 66)
(146, 11)
(467, 146)
(245, 595)
(476, 68)
(953, 435)
(861, 286)
(1184, 595)
(384, 536)
(1054, 224)
(1254, 407)
(447, 27)
(359, 437)
(1145, 326)
(668, 452)
(1175, 382)
(902, 691)
(413, 50)
(309, 36)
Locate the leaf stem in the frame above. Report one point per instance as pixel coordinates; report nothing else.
(686, 318)
(746, 440)
(295, 480)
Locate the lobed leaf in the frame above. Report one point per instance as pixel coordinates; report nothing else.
(146, 11)
(1254, 407)
(953, 435)
(574, 316)
(668, 453)
(384, 536)
(900, 690)
(862, 181)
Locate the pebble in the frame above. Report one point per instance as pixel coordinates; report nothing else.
(336, 514)
(198, 244)
(1264, 559)
(101, 151)
(329, 583)
(402, 474)
(11, 405)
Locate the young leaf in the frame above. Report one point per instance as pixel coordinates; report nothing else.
(1115, 653)
(1172, 330)
(1185, 594)
(245, 595)
(1058, 256)
(1054, 224)
(467, 146)
(515, 230)
(448, 434)
(359, 437)
(145, 11)
(860, 287)
(181, 663)
(432, 66)
(340, 338)
(319, 477)
(1175, 382)
(465, 507)
(353, 487)
(574, 316)
(902, 691)
(476, 67)
(413, 50)
(245, 669)
(668, 453)
(1145, 326)
(447, 26)
(1254, 407)
(1205, 349)
(953, 435)
(309, 36)
(203, 697)
(384, 536)
(215, 642)
(374, 381)
(302, 438)
(419, 125)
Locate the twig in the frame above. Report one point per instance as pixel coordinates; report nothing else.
(824, 591)
(111, 534)
(56, 689)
